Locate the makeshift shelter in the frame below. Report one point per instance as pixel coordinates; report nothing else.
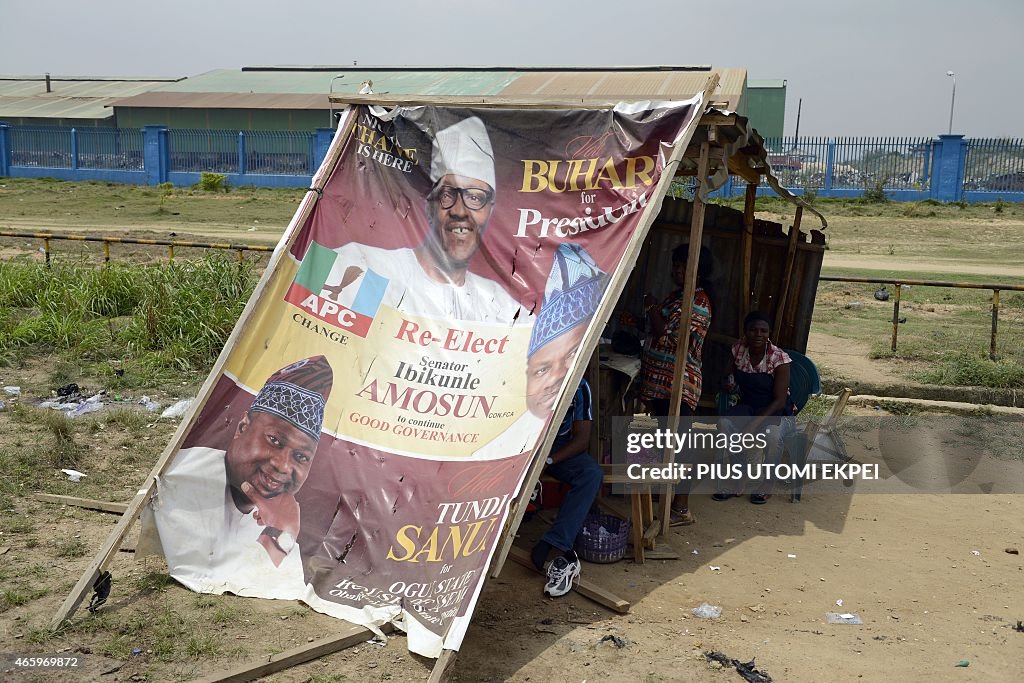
(708, 144)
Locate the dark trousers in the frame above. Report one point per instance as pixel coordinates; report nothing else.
(584, 477)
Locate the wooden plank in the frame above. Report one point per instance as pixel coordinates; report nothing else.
(442, 667)
(787, 278)
(749, 199)
(737, 166)
(264, 666)
(584, 587)
(683, 343)
(499, 102)
(594, 374)
(637, 529)
(109, 548)
(88, 503)
(590, 340)
(662, 555)
(653, 528)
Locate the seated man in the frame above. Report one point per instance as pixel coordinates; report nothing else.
(570, 463)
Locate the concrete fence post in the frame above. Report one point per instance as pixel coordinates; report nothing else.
(241, 153)
(949, 157)
(830, 165)
(5, 150)
(156, 155)
(321, 141)
(74, 149)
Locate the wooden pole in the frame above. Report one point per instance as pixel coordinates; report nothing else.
(787, 279)
(264, 666)
(443, 666)
(87, 503)
(683, 344)
(896, 315)
(518, 507)
(749, 200)
(995, 323)
(109, 548)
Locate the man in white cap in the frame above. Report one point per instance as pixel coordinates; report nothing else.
(433, 279)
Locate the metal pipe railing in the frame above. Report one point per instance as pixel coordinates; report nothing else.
(107, 240)
(996, 288)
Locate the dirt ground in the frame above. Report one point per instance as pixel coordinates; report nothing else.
(906, 564)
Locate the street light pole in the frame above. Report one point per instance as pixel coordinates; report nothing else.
(952, 101)
(330, 123)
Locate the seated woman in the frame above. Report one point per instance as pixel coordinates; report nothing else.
(760, 370)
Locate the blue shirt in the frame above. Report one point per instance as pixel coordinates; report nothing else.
(579, 409)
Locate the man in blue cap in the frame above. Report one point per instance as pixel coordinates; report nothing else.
(572, 295)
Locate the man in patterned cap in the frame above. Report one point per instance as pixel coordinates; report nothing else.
(433, 279)
(571, 298)
(228, 520)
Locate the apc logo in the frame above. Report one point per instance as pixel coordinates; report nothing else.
(350, 303)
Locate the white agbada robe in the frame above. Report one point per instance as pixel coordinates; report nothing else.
(210, 546)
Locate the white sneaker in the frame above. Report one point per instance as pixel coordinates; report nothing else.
(561, 574)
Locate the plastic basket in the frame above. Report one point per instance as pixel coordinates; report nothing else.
(610, 546)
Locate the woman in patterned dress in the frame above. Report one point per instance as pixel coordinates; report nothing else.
(658, 363)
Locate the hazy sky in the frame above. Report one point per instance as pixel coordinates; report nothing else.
(870, 67)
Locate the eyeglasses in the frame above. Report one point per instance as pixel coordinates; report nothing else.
(473, 198)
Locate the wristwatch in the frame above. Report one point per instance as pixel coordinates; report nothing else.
(282, 539)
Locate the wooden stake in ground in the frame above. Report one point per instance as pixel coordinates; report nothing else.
(353, 635)
(109, 548)
(683, 344)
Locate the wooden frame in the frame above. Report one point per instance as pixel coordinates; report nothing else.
(683, 343)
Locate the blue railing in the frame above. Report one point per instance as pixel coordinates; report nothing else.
(826, 164)
(196, 150)
(110, 148)
(242, 152)
(945, 168)
(994, 165)
(41, 147)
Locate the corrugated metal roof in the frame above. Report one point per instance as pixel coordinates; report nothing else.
(320, 82)
(613, 85)
(264, 86)
(69, 98)
(225, 100)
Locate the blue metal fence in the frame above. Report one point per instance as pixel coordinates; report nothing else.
(278, 152)
(994, 165)
(37, 146)
(870, 163)
(196, 150)
(242, 152)
(945, 168)
(110, 148)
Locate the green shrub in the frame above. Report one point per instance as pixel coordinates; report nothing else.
(876, 193)
(213, 182)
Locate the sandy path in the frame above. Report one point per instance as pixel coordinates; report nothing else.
(903, 264)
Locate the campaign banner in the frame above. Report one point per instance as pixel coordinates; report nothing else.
(379, 412)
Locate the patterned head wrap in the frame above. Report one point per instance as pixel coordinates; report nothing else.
(298, 394)
(571, 296)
